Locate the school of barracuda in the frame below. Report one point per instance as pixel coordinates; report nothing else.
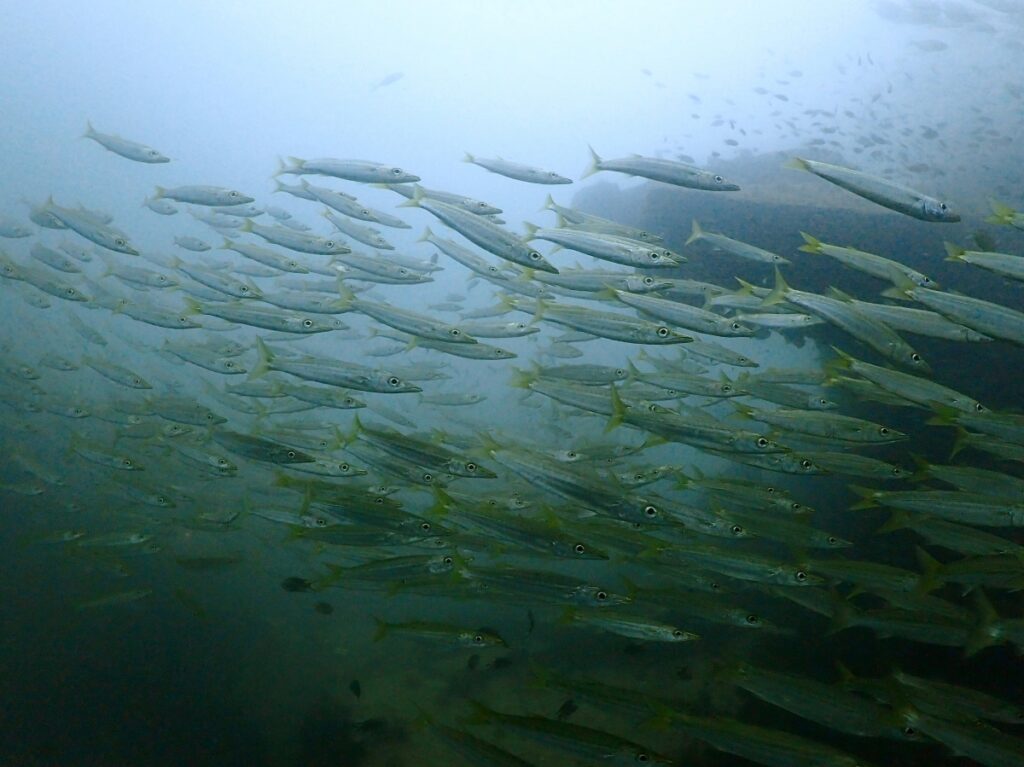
(279, 379)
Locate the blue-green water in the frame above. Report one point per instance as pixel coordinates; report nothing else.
(224, 606)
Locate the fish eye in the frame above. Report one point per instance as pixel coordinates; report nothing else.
(753, 620)
(601, 595)
(534, 255)
(222, 462)
(447, 560)
(677, 633)
(579, 548)
(378, 500)
(648, 280)
(320, 522)
(120, 242)
(822, 401)
(726, 388)
(329, 244)
(719, 179)
(478, 639)
(795, 506)
(232, 193)
(396, 171)
(910, 732)
(832, 540)
(572, 455)
(229, 364)
(915, 357)
(801, 576)
(290, 454)
(736, 326)
(244, 288)
(127, 463)
(137, 381)
(662, 332)
(651, 511)
(770, 490)
(344, 467)
(883, 431)
(736, 530)
(620, 372)
(762, 442)
(393, 381)
(307, 323)
(943, 206)
(979, 408)
(428, 477)
(425, 526)
(161, 500)
(642, 757)
(805, 464)
(455, 332)
(71, 291)
(470, 466)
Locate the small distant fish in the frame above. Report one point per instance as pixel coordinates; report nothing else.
(161, 206)
(191, 243)
(120, 598)
(205, 563)
(130, 150)
(518, 171)
(259, 448)
(1004, 215)
(929, 46)
(566, 710)
(442, 632)
(117, 374)
(387, 80)
(295, 584)
(13, 229)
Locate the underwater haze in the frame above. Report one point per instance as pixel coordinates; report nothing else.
(512, 383)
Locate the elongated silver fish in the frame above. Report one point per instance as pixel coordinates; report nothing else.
(518, 171)
(666, 171)
(886, 193)
(353, 170)
(130, 150)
